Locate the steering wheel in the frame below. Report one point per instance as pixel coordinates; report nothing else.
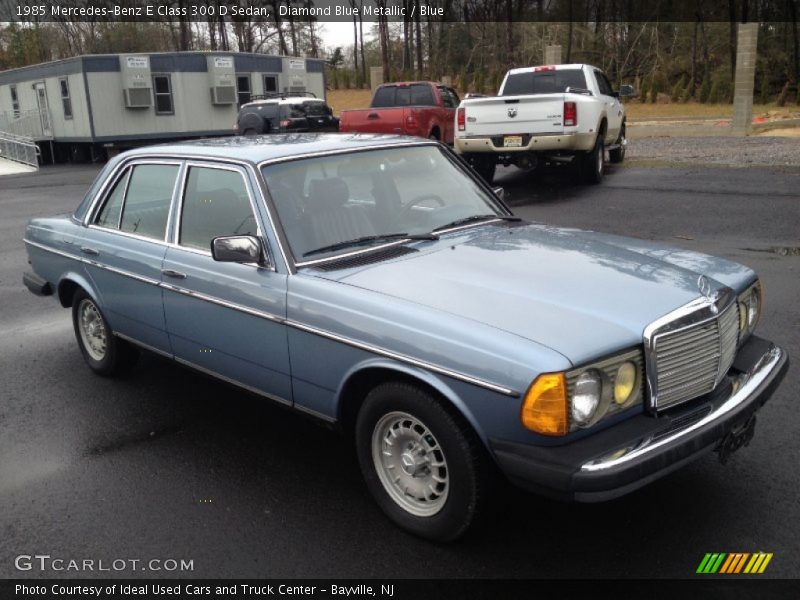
(406, 210)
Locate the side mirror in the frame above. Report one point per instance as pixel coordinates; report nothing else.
(626, 91)
(238, 248)
(500, 193)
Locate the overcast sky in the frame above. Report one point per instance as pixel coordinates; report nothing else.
(335, 33)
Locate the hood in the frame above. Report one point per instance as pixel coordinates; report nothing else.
(572, 291)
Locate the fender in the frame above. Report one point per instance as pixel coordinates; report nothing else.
(84, 282)
(431, 379)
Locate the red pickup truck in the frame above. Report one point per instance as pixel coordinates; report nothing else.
(422, 108)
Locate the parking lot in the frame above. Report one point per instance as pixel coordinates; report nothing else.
(168, 464)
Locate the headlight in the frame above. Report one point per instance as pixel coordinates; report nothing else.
(750, 303)
(586, 397)
(624, 383)
(557, 403)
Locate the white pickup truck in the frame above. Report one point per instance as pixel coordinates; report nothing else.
(556, 113)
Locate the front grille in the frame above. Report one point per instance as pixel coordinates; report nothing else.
(691, 361)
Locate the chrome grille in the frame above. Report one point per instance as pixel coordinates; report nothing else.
(691, 361)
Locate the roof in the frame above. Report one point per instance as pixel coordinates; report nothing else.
(555, 67)
(267, 147)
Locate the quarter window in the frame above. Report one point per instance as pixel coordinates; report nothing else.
(112, 209)
(66, 101)
(215, 203)
(148, 199)
(162, 88)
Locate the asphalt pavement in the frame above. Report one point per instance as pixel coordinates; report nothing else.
(168, 464)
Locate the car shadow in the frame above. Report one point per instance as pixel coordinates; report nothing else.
(547, 184)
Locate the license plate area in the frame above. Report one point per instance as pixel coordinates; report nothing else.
(512, 141)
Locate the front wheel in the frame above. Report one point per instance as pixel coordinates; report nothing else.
(617, 155)
(593, 162)
(105, 353)
(425, 468)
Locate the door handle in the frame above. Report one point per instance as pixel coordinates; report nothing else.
(89, 251)
(373, 116)
(171, 273)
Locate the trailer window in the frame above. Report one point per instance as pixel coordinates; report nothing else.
(543, 82)
(270, 83)
(14, 101)
(216, 203)
(66, 101)
(162, 89)
(243, 88)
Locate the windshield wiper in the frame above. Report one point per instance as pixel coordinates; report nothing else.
(474, 218)
(368, 239)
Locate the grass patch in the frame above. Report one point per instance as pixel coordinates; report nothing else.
(340, 100)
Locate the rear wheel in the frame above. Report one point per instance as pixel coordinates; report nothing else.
(617, 155)
(105, 353)
(594, 162)
(485, 166)
(425, 468)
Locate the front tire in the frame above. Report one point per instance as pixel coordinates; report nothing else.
(594, 162)
(617, 155)
(105, 353)
(425, 468)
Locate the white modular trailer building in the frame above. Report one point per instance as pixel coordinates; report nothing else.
(92, 103)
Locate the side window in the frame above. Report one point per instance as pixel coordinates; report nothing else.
(148, 199)
(14, 101)
(215, 203)
(447, 100)
(243, 89)
(455, 96)
(112, 209)
(66, 101)
(602, 84)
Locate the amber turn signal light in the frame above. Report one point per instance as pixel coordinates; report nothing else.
(545, 407)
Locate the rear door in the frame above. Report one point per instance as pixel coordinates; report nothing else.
(224, 318)
(125, 245)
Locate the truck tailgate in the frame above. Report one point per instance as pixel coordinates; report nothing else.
(373, 120)
(539, 114)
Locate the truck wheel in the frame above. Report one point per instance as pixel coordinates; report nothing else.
(594, 161)
(617, 155)
(105, 353)
(426, 470)
(484, 166)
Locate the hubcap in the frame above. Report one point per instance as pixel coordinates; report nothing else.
(410, 464)
(92, 329)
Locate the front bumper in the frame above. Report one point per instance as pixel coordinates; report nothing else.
(567, 142)
(635, 452)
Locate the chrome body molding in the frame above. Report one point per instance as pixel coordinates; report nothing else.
(406, 359)
(239, 384)
(297, 325)
(745, 386)
(128, 338)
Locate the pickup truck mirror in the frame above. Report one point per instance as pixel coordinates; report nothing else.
(626, 91)
(238, 248)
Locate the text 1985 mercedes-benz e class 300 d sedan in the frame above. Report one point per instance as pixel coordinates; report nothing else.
(377, 283)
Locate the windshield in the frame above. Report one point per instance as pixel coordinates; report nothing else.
(328, 204)
(543, 82)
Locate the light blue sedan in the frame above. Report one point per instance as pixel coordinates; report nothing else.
(377, 284)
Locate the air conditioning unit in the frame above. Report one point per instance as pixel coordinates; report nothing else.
(136, 81)
(223, 94)
(137, 97)
(222, 75)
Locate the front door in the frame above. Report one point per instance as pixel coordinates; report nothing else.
(224, 318)
(613, 107)
(44, 110)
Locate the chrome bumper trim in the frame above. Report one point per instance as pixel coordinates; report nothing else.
(748, 384)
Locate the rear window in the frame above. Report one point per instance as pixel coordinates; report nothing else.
(406, 95)
(544, 82)
(316, 109)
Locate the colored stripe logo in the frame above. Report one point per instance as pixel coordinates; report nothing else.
(734, 563)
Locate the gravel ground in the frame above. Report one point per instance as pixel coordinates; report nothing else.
(730, 151)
